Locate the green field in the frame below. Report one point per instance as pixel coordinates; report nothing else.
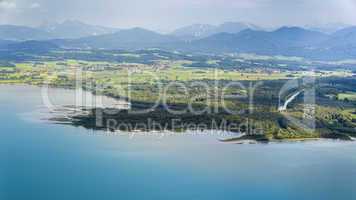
(351, 96)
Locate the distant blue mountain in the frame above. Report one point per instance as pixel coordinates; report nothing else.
(345, 36)
(135, 38)
(22, 33)
(195, 31)
(261, 41)
(235, 27)
(72, 29)
(295, 36)
(329, 28)
(288, 41)
(199, 31)
(341, 44)
(346, 32)
(4, 43)
(65, 30)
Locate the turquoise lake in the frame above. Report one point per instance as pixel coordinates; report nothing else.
(44, 161)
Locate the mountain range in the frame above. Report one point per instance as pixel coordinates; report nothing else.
(65, 30)
(327, 28)
(135, 38)
(71, 29)
(22, 33)
(226, 38)
(288, 41)
(199, 31)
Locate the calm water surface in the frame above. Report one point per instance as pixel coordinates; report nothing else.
(43, 161)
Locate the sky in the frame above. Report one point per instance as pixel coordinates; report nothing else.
(166, 15)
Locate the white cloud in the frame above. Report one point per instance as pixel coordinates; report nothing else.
(35, 5)
(7, 5)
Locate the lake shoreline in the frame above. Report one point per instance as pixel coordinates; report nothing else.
(82, 115)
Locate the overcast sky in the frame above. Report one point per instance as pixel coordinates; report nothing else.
(169, 14)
